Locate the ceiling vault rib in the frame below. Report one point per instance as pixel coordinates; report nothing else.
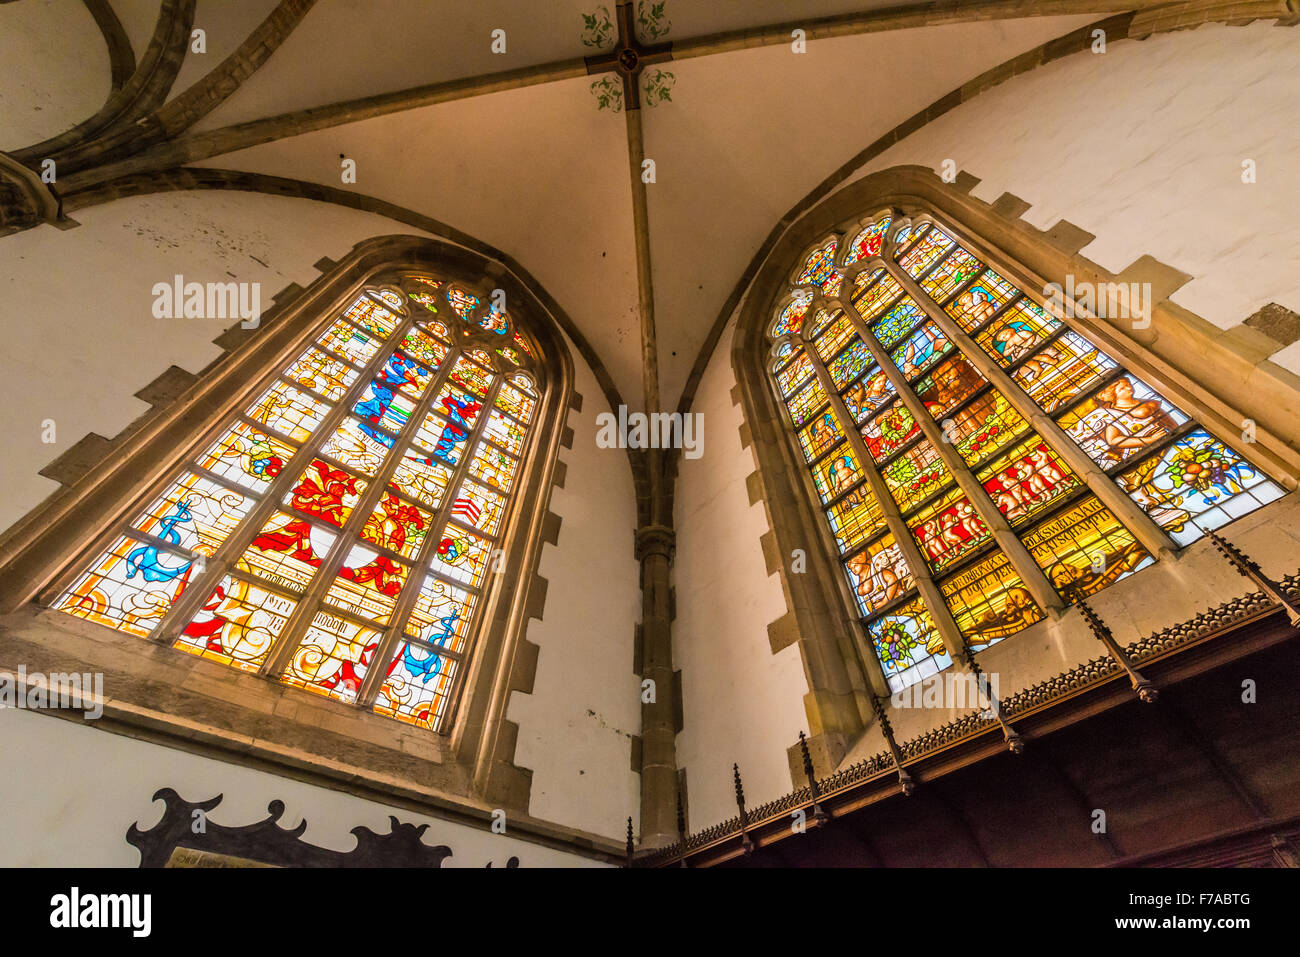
(201, 98)
(241, 136)
(895, 18)
(144, 91)
(121, 56)
(644, 271)
(230, 139)
(187, 108)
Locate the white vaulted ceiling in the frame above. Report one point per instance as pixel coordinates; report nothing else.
(542, 174)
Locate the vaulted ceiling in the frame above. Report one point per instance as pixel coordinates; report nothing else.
(517, 149)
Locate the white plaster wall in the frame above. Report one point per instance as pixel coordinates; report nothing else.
(741, 703)
(76, 308)
(576, 727)
(81, 789)
(54, 70)
(80, 340)
(1143, 147)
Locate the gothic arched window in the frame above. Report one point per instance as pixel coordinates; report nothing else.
(338, 533)
(977, 457)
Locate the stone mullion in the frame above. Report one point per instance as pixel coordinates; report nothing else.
(1146, 531)
(1030, 574)
(350, 533)
(394, 633)
(933, 598)
(229, 551)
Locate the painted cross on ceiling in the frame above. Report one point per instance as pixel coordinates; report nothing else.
(635, 40)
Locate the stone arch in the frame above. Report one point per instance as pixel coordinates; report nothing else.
(475, 758)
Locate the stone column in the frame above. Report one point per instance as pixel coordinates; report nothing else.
(654, 550)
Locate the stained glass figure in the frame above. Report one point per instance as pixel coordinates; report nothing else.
(921, 350)
(890, 431)
(950, 384)
(951, 274)
(879, 575)
(820, 435)
(981, 300)
(1062, 370)
(1027, 479)
(462, 302)
(1120, 420)
(948, 529)
(1017, 332)
(868, 394)
(837, 473)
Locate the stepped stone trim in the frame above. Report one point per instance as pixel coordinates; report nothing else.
(168, 387)
(551, 528)
(506, 780)
(1010, 206)
(87, 452)
(1277, 322)
(161, 394)
(783, 632)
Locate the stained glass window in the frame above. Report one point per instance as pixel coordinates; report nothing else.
(907, 644)
(890, 431)
(879, 329)
(337, 534)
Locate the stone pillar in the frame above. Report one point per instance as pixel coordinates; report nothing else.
(654, 550)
